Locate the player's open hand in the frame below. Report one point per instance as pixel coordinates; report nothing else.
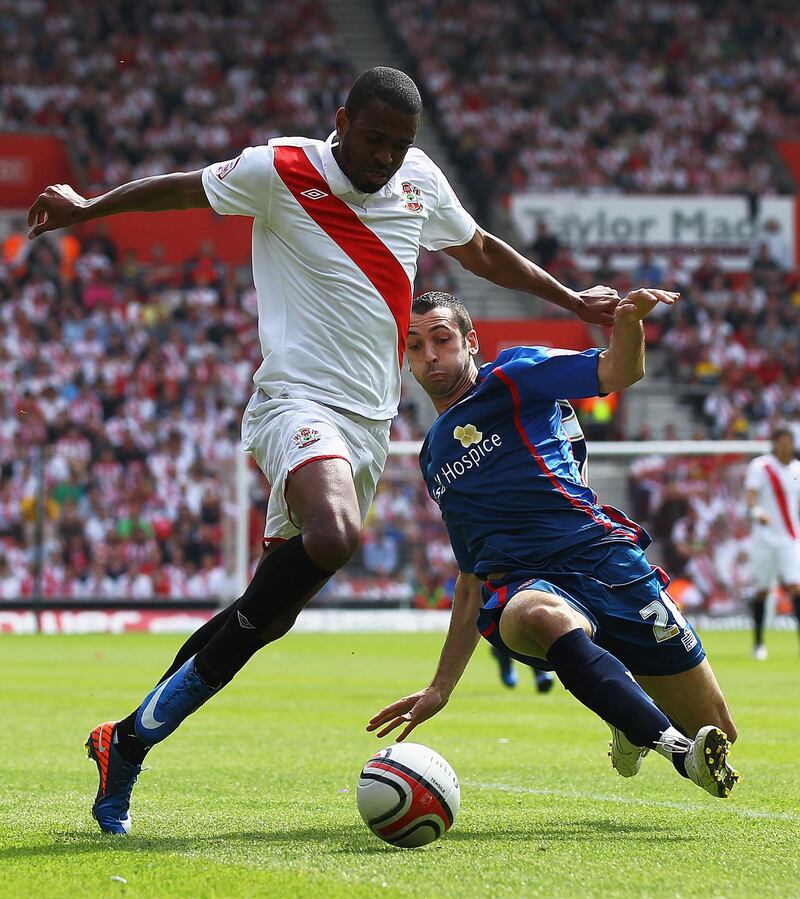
(599, 303)
(409, 711)
(640, 303)
(59, 206)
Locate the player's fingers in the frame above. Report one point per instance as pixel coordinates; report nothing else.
(402, 719)
(391, 711)
(378, 720)
(33, 212)
(666, 296)
(642, 294)
(39, 218)
(406, 730)
(39, 229)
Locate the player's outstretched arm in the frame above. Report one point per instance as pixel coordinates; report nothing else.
(622, 364)
(489, 257)
(59, 206)
(462, 638)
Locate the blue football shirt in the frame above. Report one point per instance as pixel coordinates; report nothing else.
(500, 465)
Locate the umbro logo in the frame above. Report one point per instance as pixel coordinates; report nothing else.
(244, 623)
(313, 194)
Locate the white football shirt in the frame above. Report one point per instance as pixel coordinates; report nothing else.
(333, 267)
(778, 489)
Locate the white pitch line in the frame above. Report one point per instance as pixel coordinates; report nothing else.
(727, 809)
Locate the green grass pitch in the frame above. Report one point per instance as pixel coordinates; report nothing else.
(255, 795)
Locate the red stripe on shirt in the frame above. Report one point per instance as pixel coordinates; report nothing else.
(620, 518)
(780, 496)
(574, 500)
(375, 260)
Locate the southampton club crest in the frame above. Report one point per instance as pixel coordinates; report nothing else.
(225, 168)
(305, 437)
(412, 197)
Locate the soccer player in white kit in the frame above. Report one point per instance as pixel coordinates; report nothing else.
(337, 227)
(773, 500)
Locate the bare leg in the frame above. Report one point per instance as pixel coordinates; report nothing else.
(692, 699)
(533, 620)
(543, 625)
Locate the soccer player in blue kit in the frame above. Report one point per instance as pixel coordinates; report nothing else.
(550, 574)
(572, 428)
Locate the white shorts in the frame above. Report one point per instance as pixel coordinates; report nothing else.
(286, 434)
(774, 562)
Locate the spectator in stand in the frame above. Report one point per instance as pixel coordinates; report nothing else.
(380, 551)
(678, 276)
(545, 247)
(766, 269)
(10, 583)
(771, 235)
(707, 271)
(205, 269)
(564, 267)
(648, 271)
(605, 273)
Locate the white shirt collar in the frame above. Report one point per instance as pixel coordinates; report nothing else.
(340, 184)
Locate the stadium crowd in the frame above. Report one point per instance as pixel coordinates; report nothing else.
(132, 378)
(693, 505)
(634, 96)
(734, 345)
(667, 97)
(144, 88)
(132, 374)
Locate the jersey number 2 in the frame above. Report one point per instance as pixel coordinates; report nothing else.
(662, 629)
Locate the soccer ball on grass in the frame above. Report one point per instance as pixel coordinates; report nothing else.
(408, 795)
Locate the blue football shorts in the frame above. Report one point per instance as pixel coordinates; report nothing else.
(624, 598)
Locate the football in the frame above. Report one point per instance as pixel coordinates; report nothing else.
(408, 795)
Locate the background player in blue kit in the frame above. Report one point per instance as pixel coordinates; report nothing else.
(549, 573)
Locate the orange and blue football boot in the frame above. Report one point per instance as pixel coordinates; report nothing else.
(112, 804)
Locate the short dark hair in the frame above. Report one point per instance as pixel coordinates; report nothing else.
(394, 87)
(781, 431)
(438, 299)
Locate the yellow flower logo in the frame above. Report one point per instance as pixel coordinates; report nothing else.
(468, 435)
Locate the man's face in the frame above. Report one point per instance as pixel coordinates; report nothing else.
(374, 144)
(783, 448)
(439, 355)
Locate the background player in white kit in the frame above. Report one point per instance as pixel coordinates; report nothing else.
(773, 501)
(336, 234)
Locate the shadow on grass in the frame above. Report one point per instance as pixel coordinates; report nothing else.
(596, 829)
(352, 840)
(79, 842)
(543, 837)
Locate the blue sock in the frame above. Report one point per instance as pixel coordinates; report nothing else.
(603, 684)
